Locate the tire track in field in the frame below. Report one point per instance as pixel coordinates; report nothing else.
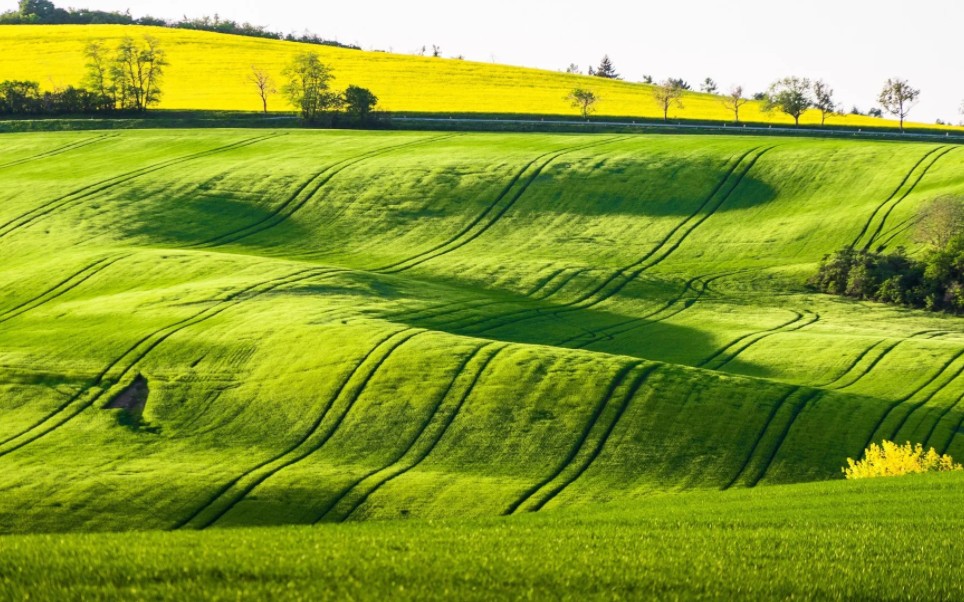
(72, 198)
(422, 444)
(924, 401)
(897, 403)
(126, 363)
(61, 288)
(881, 207)
(759, 438)
(887, 349)
(317, 435)
(59, 151)
(890, 209)
(499, 207)
(812, 396)
(591, 442)
(302, 194)
(940, 418)
(815, 317)
(672, 241)
(738, 345)
(669, 309)
(954, 433)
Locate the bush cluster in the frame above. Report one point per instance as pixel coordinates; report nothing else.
(890, 460)
(26, 98)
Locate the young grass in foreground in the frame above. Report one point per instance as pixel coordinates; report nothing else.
(841, 540)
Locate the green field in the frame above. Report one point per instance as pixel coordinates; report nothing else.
(857, 541)
(333, 326)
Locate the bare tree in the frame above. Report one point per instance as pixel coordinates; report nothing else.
(98, 77)
(898, 98)
(734, 100)
(584, 100)
(823, 100)
(436, 51)
(940, 221)
(264, 83)
(573, 68)
(667, 94)
(790, 95)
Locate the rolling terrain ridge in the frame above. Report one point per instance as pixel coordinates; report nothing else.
(336, 326)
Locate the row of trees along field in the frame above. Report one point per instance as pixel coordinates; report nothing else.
(793, 96)
(934, 280)
(44, 12)
(129, 77)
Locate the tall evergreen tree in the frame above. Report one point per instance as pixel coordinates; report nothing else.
(606, 69)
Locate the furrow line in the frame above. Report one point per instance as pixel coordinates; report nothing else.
(91, 392)
(782, 437)
(80, 194)
(581, 468)
(907, 193)
(583, 439)
(238, 488)
(59, 151)
(759, 438)
(467, 235)
(880, 207)
(428, 435)
(298, 198)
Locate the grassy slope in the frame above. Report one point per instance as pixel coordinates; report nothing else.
(375, 325)
(209, 71)
(843, 540)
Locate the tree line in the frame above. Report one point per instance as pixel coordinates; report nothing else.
(792, 96)
(129, 77)
(45, 12)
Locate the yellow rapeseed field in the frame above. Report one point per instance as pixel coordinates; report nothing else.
(209, 71)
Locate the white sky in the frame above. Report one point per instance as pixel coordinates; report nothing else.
(853, 44)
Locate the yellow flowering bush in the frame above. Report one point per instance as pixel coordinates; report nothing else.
(890, 460)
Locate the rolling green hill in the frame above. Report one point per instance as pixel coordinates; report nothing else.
(329, 326)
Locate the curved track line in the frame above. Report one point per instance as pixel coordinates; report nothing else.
(954, 433)
(299, 198)
(865, 353)
(913, 186)
(100, 385)
(583, 466)
(893, 195)
(782, 437)
(923, 402)
(766, 335)
(466, 235)
(759, 438)
(940, 418)
(312, 440)
(721, 351)
(431, 432)
(591, 425)
(897, 403)
(61, 288)
(72, 198)
(59, 151)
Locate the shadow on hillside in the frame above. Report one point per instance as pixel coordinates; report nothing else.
(676, 187)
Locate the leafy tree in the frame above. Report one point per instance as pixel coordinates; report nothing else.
(940, 221)
(98, 78)
(308, 87)
(584, 100)
(875, 112)
(734, 100)
(573, 68)
(708, 86)
(359, 104)
(823, 100)
(790, 95)
(647, 79)
(264, 83)
(606, 69)
(668, 94)
(679, 83)
(19, 97)
(898, 98)
(136, 72)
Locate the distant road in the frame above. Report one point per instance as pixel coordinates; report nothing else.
(730, 129)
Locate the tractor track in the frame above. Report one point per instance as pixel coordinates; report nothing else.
(313, 439)
(357, 493)
(782, 437)
(72, 198)
(59, 151)
(759, 438)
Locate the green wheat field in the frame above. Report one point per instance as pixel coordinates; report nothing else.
(406, 365)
